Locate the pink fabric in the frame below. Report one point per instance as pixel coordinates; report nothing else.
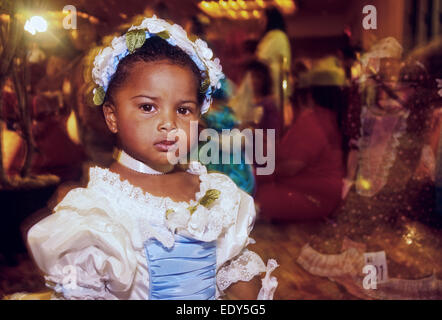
(315, 191)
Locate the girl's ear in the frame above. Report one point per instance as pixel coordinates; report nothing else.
(110, 115)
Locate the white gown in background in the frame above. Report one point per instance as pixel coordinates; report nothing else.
(92, 246)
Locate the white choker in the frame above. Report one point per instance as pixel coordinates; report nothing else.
(131, 163)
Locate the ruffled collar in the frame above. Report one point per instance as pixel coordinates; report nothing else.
(161, 217)
(98, 175)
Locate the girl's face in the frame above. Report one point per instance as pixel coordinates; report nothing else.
(158, 98)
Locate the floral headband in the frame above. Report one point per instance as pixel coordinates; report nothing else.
(106, 62)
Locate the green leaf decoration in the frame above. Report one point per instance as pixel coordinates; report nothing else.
(99, 96)
(210, 196)
(169, 211)
(163, 34)
(192, 209)
(205, 85)
(135, 39)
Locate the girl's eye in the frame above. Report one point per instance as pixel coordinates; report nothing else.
(147, 108)
(184, 110)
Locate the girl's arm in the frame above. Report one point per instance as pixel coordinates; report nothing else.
(243, 290)
(82, 251)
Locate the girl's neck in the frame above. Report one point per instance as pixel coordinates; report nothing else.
(127, 161)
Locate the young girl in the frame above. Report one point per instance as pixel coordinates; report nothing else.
(144, 228)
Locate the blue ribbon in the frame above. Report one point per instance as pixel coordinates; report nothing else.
(187, 271)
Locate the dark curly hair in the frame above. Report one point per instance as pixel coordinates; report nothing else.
(153, 49)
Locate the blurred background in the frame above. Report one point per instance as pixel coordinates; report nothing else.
(364, 174)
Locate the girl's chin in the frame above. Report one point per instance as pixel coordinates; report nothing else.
(167, 158)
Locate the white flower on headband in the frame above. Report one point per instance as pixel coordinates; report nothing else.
(119, 45)
(203, 49)
(106, 62)
(154, 25)
(178, 34)
(102, 67)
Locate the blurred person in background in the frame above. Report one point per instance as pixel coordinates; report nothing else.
(274, 50)
(309, 164)
(266, 115)
(361, 96)
(430, 165)
(221, 117)
(393, 149)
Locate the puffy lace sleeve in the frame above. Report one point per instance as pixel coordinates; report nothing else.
(234, 261)
(83, 253)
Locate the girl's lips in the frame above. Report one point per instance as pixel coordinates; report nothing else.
(165, 145)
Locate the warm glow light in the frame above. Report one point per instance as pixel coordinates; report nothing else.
(72, 128)
(93, 20)
(66, 87)
(11, 143)
(233, 4)
(224, 4)
(36, 24)
(410, 236)
(232, 14)
(365, 184)
(244, 14)
(284, 84)
(356, 71)
(5, 17)
(237, 9)
(286, 6)
(242, 4)
(261, 3)
(205, 4)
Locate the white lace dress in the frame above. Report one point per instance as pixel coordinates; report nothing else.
(92, 246)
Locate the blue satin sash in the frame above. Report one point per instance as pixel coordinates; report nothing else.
(187, 271)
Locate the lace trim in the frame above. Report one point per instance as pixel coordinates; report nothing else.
(269, 283)
(148, 212)
(243, 268)
(83, 292)
(99, 175)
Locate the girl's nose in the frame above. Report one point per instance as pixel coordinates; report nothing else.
(166, 126)
(167, 123)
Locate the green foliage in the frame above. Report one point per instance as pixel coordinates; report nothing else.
(205, 85)
(210, 197)
(163, 34)
(135, 39)
(99, 96)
